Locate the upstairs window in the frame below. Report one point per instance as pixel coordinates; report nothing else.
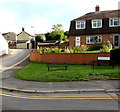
(114, 22)
(80, 25)
(8, 37)
(97, 23)
(93, 39)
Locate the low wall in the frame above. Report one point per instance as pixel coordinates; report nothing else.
(76, 58)
(12, 46)
(23, 46)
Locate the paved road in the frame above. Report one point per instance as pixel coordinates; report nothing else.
(14, 57)
(7, 61)
(24, 101)
(88, 101)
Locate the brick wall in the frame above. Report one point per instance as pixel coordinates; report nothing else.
(77, 58)
(105, 37)
(12, 46)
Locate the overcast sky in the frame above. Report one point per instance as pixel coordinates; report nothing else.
(43, 14)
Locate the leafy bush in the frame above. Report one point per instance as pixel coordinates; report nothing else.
(39, 50)
(78, 49)
(84, 48)
(68, 50)
(49, 50)
(95, 47)
(105, 48)
(56, 50)
(116, 49)
(39, 38)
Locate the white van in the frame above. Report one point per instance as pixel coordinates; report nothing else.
(4, 49)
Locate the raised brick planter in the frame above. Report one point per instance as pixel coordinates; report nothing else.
(68, 58)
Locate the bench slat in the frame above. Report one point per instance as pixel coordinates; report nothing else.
(56, 65)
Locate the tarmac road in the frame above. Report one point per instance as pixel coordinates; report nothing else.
(15, 56)
(89, 101)
(94, 97)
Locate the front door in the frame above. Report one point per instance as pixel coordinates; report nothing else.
(27, 45)
(77, 41)
(116, 41)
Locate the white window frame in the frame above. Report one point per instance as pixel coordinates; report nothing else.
(113, 22)
(80, 24)
(88, 39)
(96, 22)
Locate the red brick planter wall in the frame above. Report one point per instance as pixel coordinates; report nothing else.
(77, 58)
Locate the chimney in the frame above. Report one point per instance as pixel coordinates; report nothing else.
(97, 8)
(23, 29)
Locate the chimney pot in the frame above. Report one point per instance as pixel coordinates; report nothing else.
(97, 8)
(23, 29)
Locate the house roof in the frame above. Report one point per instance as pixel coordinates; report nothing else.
(26, 33)
(99, 15)
(10, 33)
(104, 15)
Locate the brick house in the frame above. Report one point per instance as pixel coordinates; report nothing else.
(96, 27)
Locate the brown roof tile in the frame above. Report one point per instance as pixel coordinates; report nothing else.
(99, 15)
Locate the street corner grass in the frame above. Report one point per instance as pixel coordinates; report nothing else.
(36, 71)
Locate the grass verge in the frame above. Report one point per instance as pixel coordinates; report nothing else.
(36, 71)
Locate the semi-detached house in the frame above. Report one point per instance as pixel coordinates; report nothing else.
(96, 27)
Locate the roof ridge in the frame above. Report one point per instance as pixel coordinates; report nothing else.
(26, 33)
(100, 14)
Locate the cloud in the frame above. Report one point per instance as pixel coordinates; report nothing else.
(43, 14)
(40, 25)
(6, 21)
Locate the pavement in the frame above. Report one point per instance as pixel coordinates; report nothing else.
(9, 82)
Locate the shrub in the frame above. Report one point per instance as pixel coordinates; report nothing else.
(105, 48)
(78, 49)
(95, 47)
(84, 48)
(39, 50)
(68, 50)
(56, 50)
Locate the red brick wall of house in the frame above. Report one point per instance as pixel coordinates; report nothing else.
(77, 58)
(105, 37)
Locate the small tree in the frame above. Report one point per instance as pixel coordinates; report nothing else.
(39, 38)
(58, 33)
(48, 37)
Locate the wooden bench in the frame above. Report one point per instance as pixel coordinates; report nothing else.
(103, 59)
(57, 65)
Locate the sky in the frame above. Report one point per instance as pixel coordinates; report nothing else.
(43, 14)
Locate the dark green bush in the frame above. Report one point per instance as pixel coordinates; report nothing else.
(95, 47)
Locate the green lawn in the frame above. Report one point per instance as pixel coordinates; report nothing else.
(36, 71)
